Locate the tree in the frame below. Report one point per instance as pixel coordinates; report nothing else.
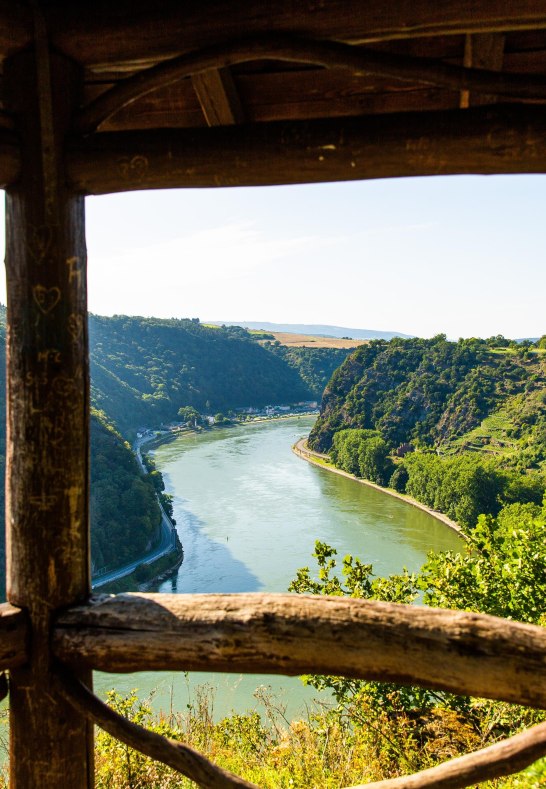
(189, 415)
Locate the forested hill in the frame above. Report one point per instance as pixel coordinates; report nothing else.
(486, 395)
(142, 372)
(144, 369)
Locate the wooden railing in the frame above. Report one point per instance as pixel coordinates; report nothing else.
(49, 158)
(455, 651)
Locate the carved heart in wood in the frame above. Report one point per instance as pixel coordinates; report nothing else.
(46, 298)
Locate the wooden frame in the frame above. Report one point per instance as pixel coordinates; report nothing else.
(52, 634)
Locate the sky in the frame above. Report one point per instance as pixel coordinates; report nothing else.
(460, 255)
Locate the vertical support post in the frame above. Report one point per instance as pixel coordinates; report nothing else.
(48, 416)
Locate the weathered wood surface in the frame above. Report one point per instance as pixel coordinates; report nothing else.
(10, 158)
(14, 635)
(482, 51)
(503, 758)
(284, 96)
(218, 97)
(135, 30)
(47, 433)
(329, 54)
(461, 652)
(500, 139)
(175, 754)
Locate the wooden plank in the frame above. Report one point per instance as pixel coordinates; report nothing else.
(456, 651)
(134, 30)
(482, 51)
(218, 97)
(331, 55)
(500, 139)
(48, 420)
(283, 96)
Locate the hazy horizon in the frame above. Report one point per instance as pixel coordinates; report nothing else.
(462, 255)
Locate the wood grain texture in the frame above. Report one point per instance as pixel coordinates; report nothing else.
(47, 547)
(500, 139)
(14, 636)
(461, 652)
(218, 97)
(10, 158)
(482, 51)
(175, 754)
(329, 54)
(106, 32)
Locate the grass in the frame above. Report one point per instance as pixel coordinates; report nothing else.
(311, 341)
(324, 749)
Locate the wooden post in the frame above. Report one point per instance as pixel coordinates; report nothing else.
(47, 434)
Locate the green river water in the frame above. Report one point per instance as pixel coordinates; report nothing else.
(248, 512)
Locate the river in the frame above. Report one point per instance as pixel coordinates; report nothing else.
(248, 512)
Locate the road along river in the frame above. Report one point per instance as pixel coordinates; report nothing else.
(248, 512)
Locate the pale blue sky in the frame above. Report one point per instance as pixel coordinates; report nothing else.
(460, 255)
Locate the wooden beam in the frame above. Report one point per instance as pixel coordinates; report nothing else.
(500, 139)
(218, 97)
(103, 32)
(14, 636)
(465, 653)
(303, 95)
(16, 28)
(10, 158)
(482, 51)
(48, 415)
(330, 55)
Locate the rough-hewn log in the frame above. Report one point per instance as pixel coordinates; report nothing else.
(500, 139)
(324, 53)
(456, 651)
(175, 754)
(14, 634)
(47, 434)
(503, 758)
(106, 32)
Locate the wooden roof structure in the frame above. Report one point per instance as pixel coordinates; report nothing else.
(123, 95)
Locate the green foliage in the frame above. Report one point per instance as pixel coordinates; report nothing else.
(315, 366)
(434, 392)
(461, 487)
(143, 370)
(156, 478)
(502, 570)
(125, 515)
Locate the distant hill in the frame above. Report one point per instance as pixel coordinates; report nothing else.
(317, 330)
(144, 369)
(445, 396)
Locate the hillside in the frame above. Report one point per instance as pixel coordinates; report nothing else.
(144, 369)
(314, 329)
(142, 372)
(451, 397)
(125, 515)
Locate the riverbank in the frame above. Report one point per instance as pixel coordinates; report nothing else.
(301, 449)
